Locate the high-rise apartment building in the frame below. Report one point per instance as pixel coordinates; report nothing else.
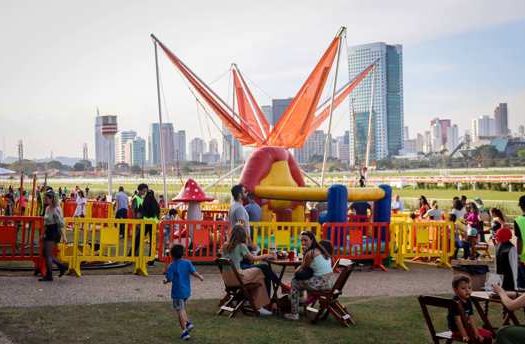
(314, 146)
(501, 120)
(213, 146)
(267, 110)
(420, 143)
(197, 149)
(167, 144)
(84, 152)
(121, 140)
(278, 107)
(436, 138)
(104, 148)
(138, 152)
(452, 138)
(483, 127)
(179, 142)
(227, 142)
(387, 113)
(444, 125)
(342, 152)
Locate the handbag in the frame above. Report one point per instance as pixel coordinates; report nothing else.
(304, 273)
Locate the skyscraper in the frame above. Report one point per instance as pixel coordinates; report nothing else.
(444, 125)
(342, 152)
(452, 138)
(436, 137)
(213, 146)
(167, 143)
(313, 147)
(267, 110)
(278, 107)
(179, 141)
(501, 120)
(138, 152)
(84, 152)
(387, 115)
(197, 149)
(483, 127)
(121, 139)
(104, 148)
(227, 146)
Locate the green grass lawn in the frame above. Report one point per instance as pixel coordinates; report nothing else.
(379, 320)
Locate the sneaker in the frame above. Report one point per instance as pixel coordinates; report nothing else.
(291, 316)
(189, 326)
(45, 279)
(185, 335)
(63, 270)
(264, 312)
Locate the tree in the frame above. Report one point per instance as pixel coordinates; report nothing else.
(55, 165)
(521, 153)
(136, 169)
(82, 165)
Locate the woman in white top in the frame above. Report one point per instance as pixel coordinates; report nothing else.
(315, 273)
(81, 201)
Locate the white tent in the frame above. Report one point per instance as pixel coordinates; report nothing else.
(6, 172)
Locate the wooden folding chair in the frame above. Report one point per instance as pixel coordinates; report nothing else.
(440, 302)
(238, 297)
(328, 299)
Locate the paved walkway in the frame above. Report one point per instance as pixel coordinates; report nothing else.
(94, 289)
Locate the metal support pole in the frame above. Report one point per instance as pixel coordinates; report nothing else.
(331, 109)
(162, 160)
(370, 110)
(110, 170)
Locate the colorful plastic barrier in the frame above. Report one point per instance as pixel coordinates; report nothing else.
(21, 240)
(69, 207)
(430, 240)
(97, 240)
(211, 215)
(359, 241)
(101, 210)
(281, 235)
(202, 240)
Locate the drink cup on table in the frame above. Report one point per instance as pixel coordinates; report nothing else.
(291, 255)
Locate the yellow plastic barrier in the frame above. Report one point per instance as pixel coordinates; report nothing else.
(282, 235)
(432, 241)
(98, 240)
(400, 217)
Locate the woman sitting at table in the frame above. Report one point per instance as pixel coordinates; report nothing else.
(315, 273)
(510, 334)
(236, 250)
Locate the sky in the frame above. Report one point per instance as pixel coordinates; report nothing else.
(61, 60)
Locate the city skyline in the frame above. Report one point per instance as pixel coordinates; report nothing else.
(449, 67)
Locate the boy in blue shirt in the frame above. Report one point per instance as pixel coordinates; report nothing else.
(178, 274)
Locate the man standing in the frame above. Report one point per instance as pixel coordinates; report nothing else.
(121, 206)
(237, 213)
(253, 209)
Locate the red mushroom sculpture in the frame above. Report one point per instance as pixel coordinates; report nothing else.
(193, 194)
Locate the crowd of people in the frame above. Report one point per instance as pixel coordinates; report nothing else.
(472, 223)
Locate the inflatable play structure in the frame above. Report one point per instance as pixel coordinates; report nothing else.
(272, 174)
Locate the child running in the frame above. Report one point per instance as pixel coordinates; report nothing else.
(178, 274)
(462, 290)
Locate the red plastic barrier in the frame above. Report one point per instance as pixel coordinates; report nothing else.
(100, 210)
(359, 241)
(211, 215)
(21, 240)
(202, 240)
(358, 218)
(69, 207)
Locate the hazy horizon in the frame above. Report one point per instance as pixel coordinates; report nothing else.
(62, 60)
